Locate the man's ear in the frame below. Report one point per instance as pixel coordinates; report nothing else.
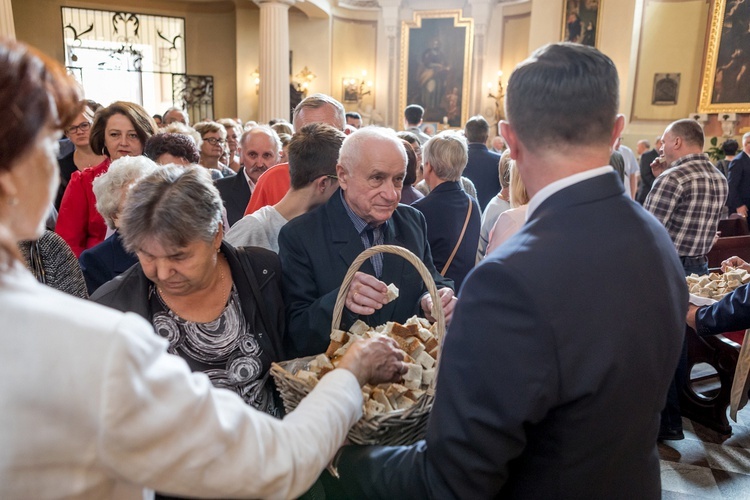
(342, 175)
(510, 137)
(617, 129)
(8, 188)
(321, 183)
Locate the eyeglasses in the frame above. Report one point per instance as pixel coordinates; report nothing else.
(331, 176)
(214, 141)
(83, 127)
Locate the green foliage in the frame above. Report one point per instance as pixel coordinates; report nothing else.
(715, 152)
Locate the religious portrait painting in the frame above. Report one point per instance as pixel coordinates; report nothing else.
(581, 21)
(435, 65)
(726, 77)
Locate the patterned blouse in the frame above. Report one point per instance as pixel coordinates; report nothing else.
(225, 349)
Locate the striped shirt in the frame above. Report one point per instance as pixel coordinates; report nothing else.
(377, 235)
(688, 199)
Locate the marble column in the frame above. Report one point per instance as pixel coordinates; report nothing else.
(481, 11)
(7, 27)
(273, 97)
(388, 34)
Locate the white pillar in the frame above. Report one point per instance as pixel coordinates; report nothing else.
(7, 27)
(388, 64)
(274, 59)
(481, 11)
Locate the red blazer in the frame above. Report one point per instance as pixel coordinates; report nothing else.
(79, 223)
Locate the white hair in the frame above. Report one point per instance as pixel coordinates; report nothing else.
(352, 148)
(110, 186)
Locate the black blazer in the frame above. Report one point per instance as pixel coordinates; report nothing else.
(647, 176)
(129, 292)
(105, 261)
(556, 365)
(444, 210)
(482, 169)
(316, 250)
(235, 192)
(739, 182)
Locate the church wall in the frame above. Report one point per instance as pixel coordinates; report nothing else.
(209, 31)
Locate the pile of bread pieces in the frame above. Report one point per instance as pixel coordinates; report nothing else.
(416, 338)
(715, 285)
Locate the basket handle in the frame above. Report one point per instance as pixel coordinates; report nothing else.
(437, 306)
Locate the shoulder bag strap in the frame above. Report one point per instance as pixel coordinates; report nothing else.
(460, 239)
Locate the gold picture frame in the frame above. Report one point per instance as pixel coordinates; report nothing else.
(436, 50)
(581, 21)
(719, 93)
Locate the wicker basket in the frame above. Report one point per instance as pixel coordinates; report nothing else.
(398, 427)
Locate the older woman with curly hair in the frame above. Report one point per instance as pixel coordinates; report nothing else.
(167, 147)
(120, 129)
(109, 258)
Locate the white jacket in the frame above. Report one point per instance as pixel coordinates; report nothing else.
(92, 406)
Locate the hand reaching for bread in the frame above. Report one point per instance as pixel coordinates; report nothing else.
(366, 294)
(374, 361)
(448, 301)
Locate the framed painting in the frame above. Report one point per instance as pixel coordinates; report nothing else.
(436, 48)
(581, 21)
(666, 88)
(725, 87)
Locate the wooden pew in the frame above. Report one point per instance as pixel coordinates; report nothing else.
(709, 407)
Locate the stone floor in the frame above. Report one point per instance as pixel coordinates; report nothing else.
(706, 464)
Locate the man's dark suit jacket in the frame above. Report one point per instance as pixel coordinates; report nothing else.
(316, 250)
(445, 211)
(482, 169)
(235, 192)
(739, 182)
(647, 176)
(105, 262)
(730, 314)
(556, 365)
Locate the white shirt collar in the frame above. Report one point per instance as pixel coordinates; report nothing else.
(561, 184)
(249, 180)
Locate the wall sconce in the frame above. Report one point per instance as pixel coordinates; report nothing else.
(256, 76)
(498, 96)
(306, 76)
(354, 90)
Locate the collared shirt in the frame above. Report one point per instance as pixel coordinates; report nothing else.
(250, 182)
(561, 184)
(362, 227)
(688, 198)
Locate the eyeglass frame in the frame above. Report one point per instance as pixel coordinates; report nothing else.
(214, 141)
(84, 127)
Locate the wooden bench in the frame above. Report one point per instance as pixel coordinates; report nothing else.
(704, 397)
(726, 247)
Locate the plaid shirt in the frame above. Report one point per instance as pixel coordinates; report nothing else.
(688, 198)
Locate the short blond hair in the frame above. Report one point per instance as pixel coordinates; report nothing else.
(447, 153)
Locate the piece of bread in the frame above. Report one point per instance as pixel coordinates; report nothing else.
(307, 377)
(414, 347)
(359, 327)
(392, 292)
(428, 376)
(379, 396)
(397, 330)
(426, 360)
(424, 334)
(404, 403)
(373, 408)
(340, 336)
(333, 347)
(431, 344)
(413, 384)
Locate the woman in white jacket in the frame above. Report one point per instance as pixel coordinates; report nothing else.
(93, 406)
